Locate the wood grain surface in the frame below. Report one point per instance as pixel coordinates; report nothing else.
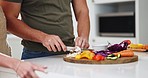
(121, 60)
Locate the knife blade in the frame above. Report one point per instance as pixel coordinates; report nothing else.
(74, 49)
(77, 49)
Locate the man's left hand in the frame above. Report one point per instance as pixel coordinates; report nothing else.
(82, 42)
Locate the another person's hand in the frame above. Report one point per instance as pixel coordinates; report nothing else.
(53, 43)
(27, 69)
(82, 42)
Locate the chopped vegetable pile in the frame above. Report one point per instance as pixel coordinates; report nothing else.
(113, 52)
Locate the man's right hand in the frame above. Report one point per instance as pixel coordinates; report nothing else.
(53, 43)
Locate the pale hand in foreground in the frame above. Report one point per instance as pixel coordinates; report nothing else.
(27, 70)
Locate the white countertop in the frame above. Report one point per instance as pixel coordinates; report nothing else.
(57, 68)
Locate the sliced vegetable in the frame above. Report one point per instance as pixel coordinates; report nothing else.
(119, 55)
(102, 58)
(108, 58)
(98, 57)
(111, 58)
(136, 46)
(104, 53)
(85, 54)
(125, 53)
(111, 55)
(128, 54)
(114, 58)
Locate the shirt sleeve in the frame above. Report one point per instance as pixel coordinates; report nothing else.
(17, 1)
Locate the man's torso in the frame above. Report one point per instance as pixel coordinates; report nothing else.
(49, 16)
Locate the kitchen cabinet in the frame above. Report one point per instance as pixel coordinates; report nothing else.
(116, 6)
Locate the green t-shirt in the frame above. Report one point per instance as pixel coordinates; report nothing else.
(49, 16)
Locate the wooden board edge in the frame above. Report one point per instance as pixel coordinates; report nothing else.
(118, 61)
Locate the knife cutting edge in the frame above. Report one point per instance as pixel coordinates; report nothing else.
(74, 49)
(77, 49)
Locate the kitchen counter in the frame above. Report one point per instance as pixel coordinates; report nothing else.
(57, 68)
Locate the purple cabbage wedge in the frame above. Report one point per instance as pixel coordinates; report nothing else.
(104, 53)
(119, 47)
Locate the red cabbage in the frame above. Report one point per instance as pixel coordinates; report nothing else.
(119, 47)
(114, 48)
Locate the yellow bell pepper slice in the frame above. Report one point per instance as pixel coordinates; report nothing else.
(85, 54)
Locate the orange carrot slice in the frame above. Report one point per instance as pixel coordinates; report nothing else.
(125, 53)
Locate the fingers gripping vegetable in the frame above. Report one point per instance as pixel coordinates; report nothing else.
(119, 47)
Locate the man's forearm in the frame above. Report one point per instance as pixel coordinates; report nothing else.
(82, 17)
(84, 24)
(22, 30)
(17, 26)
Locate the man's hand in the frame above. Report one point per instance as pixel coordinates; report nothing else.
(53, 43)
(27, 70)
(82, 42)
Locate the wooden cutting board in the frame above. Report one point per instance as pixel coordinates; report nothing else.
(121, 60)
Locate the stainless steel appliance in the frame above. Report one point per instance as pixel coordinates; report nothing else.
(117, 24)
